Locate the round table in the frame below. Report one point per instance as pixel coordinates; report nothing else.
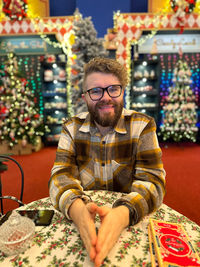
(59, 244)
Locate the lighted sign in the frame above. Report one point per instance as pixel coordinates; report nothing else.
(171, 43)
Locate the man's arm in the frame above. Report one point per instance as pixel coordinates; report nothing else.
(83, 215)
(64, 184)
(67, 194)
(147, 194)
(113, 222)
(148, 187)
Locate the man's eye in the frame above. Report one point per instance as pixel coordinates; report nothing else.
(96, 91)
(113, 89)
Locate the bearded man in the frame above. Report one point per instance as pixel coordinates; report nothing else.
(107, 148)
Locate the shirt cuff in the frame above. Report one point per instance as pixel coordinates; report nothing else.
(85, 198)
(133, 218)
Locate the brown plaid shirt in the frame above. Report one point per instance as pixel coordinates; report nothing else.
(127, 159)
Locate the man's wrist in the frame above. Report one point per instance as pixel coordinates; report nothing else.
(82, 199)
(72, 211)
(131, 210)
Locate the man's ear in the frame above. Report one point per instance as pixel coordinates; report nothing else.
(83, 97)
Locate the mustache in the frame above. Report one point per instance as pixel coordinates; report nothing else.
(103, 103)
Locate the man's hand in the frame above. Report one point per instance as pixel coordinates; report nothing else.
(113, 222)
(83, 215)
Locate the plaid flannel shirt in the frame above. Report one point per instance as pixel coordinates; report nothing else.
(127, 160)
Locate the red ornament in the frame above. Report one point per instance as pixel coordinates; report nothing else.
(36, 116)
(175, 8)
(4, 110)
(27, 119)
(187, 9)
(24, 81)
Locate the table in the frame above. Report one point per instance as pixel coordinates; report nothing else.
(59, 244)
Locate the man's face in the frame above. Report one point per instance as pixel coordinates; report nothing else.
(106, 111)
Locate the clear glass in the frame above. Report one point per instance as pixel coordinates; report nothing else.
(16, 234)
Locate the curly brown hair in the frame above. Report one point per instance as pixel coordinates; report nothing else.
(106, 65)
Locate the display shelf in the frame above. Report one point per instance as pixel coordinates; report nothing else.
(145, 107)
(153, 92)
(54, 124)
(144, 93)
(54, 97)
(51, 94)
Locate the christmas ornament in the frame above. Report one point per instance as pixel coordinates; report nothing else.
(22, 117)
(48, 75)
(15, 9)
(185, 6)
(181, 8)
(179, 111)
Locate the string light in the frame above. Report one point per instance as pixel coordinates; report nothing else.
(179, 115)
(158, 21)
(22, 121)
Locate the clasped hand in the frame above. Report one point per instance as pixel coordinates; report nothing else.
(113, 221)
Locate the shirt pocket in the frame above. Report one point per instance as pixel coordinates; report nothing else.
(86, 171)
(123, 173)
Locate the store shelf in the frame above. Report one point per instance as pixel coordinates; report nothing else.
(54, 97)
(52, 94)
(54, 109)
(153, 92)
(144, 96)
(145, 107)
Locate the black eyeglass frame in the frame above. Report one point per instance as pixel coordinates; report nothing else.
(103, 90)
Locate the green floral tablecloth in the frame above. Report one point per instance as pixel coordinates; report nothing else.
(60, 245)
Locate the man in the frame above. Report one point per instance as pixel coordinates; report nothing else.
(108, 148)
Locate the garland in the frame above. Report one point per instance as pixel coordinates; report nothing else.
(186, 5)
(15, 9)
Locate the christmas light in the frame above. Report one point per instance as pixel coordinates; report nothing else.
(21, 108)
(179, 110)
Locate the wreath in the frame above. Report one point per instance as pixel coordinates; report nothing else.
(186, 5)
(15, 9)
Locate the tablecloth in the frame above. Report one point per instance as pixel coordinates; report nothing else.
(59, 244)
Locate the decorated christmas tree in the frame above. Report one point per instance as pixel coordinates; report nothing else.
(19, 116)
(86, 47)
(179, 112)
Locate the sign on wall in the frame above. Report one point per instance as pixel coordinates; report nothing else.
(26, 45)
(171, 43)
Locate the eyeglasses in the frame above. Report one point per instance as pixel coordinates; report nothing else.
(97, 93)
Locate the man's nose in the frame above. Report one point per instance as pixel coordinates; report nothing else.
(106, 95)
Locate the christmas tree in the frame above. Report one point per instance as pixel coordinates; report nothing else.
(19, 117)
(86, 47)
(179, 112)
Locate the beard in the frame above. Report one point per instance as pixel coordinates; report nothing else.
(107, 119)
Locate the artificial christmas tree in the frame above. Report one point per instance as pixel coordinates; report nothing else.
(86, 47)
(179, 112)
(21, 126)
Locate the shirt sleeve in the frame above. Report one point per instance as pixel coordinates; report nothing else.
(64, 184)
(148, 187)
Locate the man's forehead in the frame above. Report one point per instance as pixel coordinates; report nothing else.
(101, 79)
